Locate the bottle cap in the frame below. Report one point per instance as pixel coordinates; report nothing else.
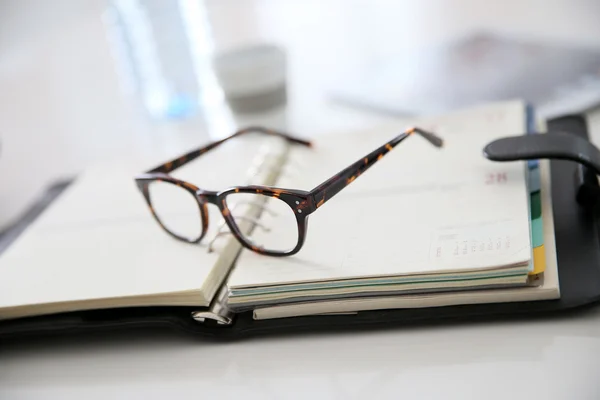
(253, 78)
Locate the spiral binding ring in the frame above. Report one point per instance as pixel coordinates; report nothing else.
(261, 206)
(223, 233)
(258, 166)
(289, 170)
(222, 224)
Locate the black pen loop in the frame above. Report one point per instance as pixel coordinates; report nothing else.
(554, 146)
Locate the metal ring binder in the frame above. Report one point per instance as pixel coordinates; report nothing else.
(256, 170)
(217, 311)
(223, 233)
(262, 207)
(259, 165)
(578, 252)
(289, 171)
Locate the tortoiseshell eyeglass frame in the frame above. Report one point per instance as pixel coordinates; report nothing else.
(301, 202)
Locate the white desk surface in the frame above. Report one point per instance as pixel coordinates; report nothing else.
(61, 109)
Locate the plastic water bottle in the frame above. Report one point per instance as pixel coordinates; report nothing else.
(163, 52)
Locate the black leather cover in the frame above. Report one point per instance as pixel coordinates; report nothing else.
(578, 251)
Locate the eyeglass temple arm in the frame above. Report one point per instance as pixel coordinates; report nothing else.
(339, 181)
(192, 155)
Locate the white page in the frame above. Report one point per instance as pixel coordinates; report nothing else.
(98, 240)
(549, 289)
(392, 219)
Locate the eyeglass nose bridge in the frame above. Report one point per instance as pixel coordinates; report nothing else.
(207, 196)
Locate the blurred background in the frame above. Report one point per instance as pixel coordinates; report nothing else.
(91, 81)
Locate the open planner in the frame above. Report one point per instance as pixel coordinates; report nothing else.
(426, 233)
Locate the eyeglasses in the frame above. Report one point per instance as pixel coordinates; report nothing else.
(181, 208)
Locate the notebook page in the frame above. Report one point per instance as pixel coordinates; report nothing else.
(549, 289)
(99, 241)
(419, 210)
